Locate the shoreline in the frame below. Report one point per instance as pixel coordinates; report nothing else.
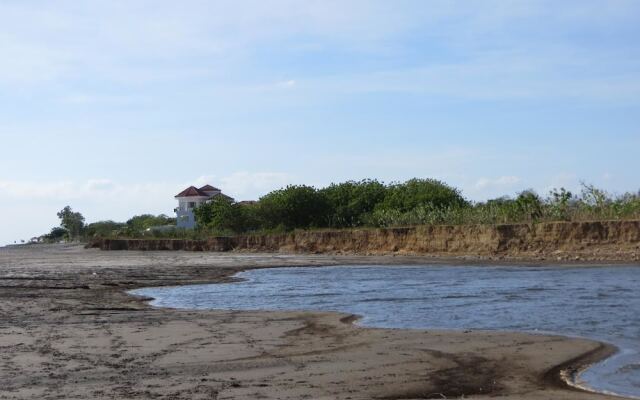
(390, 258)
(72, 331)
(565, 375)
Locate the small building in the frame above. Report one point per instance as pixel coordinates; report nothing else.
(189, 199)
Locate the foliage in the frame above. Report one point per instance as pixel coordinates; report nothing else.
(352, 202)
(72, 221)
(221, 215)
(360, 204)
(56, 235)
(527, 207)
(559, 203)
(416, 202)
(103, 229)
(404, 197)
(294, 207)
(140, 223)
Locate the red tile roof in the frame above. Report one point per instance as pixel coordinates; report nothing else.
(209, 188)
(192, 191)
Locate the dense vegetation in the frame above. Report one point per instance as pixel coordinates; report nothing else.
(73, 228)
(367, 203)
(370, 203)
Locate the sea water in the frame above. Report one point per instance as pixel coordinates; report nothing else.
(601, 303)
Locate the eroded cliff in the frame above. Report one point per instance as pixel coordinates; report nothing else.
(602, 240)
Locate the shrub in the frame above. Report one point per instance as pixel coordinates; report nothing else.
(414, 193)
(103, 229)
(221, 216)
(294, 207)
(351, 202)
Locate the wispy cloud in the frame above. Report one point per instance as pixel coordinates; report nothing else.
(500, 182)
(486, 188)
(101, 199)
(92, 189)
(158, 92)
(239, 184)
(491, 49)
(244, 185)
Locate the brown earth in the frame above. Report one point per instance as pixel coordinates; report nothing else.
(552, 241)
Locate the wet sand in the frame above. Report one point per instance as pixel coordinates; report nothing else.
(68, 330)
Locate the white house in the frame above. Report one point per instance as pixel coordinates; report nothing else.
(189, 199)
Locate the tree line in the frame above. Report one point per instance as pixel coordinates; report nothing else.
(73, 227)
(370, 203)
(365, 203)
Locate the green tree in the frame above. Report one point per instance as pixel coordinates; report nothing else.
(351, 202)
(72, 221)
(250, 215)
(103, 228)
(594, 197)
(406, 196)
(529, 205)
(559, 204)
(139, 223)
(220, 215)
(294, 207)
(57, 234)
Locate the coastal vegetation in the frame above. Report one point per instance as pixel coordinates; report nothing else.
(366, 203)
(73, 227)
(370, 203)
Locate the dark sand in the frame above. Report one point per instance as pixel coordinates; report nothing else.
(69, 330)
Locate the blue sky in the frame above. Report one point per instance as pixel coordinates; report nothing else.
(113, 107)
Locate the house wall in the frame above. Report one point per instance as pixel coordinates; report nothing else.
(185, 217)
(183, 202)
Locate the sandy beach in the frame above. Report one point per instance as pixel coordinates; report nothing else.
(69, 331)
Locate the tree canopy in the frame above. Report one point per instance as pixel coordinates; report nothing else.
(72, 221)
(357, 204)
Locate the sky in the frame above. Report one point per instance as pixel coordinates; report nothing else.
(113, 107)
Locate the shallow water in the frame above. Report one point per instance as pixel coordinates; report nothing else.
(601, 303)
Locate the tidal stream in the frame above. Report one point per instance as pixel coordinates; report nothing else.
(601, 303)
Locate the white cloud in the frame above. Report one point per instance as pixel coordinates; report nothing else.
(73, 190)
(244, 185)
(497, 75)
(500, 182)
(34, 203)
(109, 40)
(287, 84)
(567, 180)
(209, 41)
(33, 190)
(487, 188)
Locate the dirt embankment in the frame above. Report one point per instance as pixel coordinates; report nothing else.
(555, 241)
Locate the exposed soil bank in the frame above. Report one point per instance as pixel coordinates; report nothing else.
(69, 331)
(556, 241)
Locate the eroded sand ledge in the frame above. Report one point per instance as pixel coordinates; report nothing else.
(547, 242)
(69, 330)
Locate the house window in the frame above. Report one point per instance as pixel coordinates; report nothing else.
(192, 204)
